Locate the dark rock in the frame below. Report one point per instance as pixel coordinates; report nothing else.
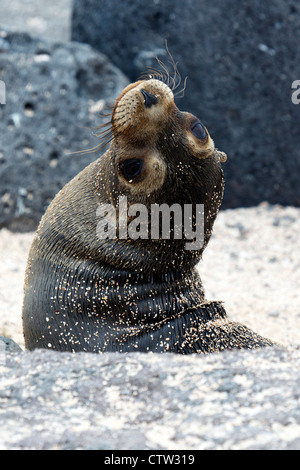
(241, 59)
(52, 91)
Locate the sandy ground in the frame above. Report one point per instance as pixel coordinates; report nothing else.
(252, 263)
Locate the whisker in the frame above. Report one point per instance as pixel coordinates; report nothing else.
(91, 150)
(106, 137)
(111, 129)
(176, 75)
(182, 90)
(167, 73)
(101, 135)
(153, 73)
(175, 68)
(100, 129)
(106, 114)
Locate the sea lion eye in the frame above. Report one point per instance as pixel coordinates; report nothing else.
(131, 168)
(149, 99)
(198, 130)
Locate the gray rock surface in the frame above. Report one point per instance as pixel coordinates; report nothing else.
(50, 20)
(8, 345)
(229, 400)
(240, 58)
(54, 94)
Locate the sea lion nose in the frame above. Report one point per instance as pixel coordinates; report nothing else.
(150, 100)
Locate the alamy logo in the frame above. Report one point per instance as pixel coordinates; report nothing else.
(136, 221)
(296, 93)
(2, 92)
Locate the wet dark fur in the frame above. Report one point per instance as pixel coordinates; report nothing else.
(116, 295)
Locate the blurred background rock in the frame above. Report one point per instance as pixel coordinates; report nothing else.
(55, 90)
(49, 20)
(240, 58)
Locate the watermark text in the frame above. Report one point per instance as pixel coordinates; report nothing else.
(296, 93)
(160, 222)
(2, 92)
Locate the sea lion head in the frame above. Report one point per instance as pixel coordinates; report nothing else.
(161, 155)
(146, 108)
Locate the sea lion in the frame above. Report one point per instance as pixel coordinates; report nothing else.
(139, 293)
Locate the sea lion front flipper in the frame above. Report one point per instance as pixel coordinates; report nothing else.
(201, 329)
(209, 330)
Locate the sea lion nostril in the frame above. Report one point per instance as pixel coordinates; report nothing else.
(149, 99)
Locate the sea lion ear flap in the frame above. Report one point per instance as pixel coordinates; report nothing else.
(221, 156)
